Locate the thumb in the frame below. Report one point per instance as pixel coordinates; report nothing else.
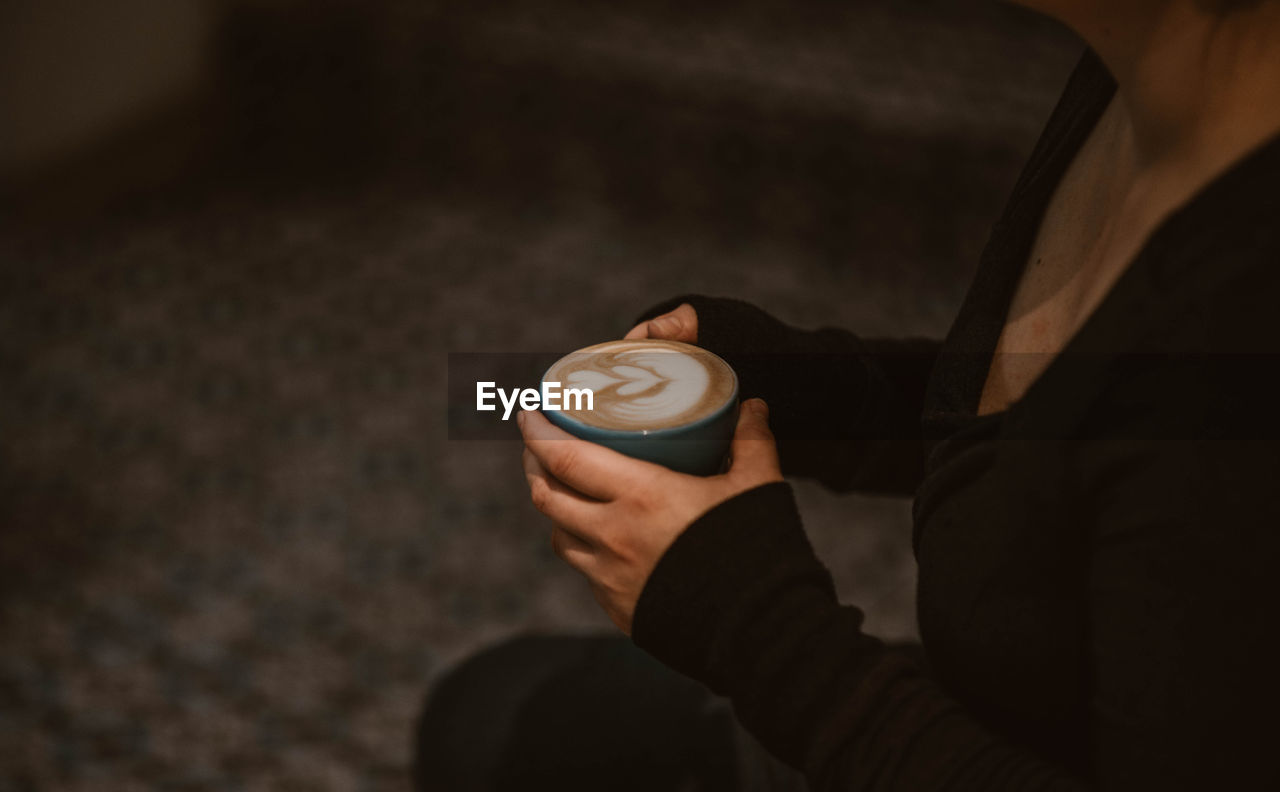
(754, 451)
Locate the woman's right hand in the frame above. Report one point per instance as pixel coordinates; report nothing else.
(680, 324)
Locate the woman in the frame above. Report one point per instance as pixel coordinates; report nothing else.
(1091, 451)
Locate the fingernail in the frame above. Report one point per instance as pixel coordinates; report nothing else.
(663, 325)
(760, 407)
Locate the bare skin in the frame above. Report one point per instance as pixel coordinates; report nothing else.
(1197, 92)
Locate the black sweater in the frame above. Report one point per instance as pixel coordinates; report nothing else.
(1097, 564)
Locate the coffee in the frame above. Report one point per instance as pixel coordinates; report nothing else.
(645, 385)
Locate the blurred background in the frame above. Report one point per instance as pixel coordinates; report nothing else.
(239, 237)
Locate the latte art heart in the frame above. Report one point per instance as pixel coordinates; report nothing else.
(645, 385)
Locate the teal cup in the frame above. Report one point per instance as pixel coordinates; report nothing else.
(699, 447)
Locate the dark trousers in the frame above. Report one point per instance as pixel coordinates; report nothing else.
(572, 713)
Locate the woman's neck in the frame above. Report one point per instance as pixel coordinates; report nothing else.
(1197, 89)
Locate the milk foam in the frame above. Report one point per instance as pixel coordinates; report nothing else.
(647, 384)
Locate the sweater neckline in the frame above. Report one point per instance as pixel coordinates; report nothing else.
(1031, 202)
(959, 375)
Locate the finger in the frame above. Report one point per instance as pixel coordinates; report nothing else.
(680, 324)
(572, 550)
(554, 499)
(754, 451)
(591, 469)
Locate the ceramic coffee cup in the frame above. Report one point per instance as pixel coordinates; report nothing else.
(661, 401)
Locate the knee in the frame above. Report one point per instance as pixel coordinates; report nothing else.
(468, 715)
(568, 711)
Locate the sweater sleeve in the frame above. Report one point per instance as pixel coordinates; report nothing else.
(741, 603)
(845, 410)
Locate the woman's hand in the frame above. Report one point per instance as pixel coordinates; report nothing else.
(678, 325)
(613, 516)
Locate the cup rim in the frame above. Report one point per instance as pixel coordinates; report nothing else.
(556, 416)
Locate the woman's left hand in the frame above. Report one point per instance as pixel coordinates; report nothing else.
(613, 516)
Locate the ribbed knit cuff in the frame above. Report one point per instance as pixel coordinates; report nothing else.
(821, 391)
